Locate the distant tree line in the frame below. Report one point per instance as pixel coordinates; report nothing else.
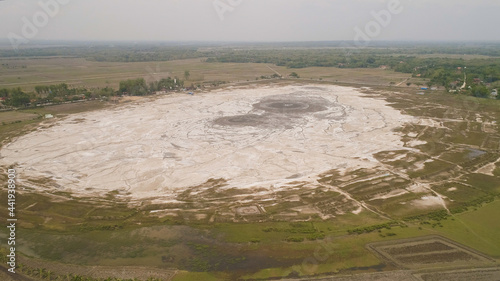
(110, 53)
(161, 52)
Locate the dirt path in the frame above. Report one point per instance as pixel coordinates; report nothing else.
(465, 82)
(274, 71)
(404, 81)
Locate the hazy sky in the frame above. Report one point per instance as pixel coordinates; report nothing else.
(251, 20)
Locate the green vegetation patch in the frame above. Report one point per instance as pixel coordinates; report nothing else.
(486, 183)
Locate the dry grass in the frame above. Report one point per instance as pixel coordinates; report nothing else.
(13, 116)
(79, 72)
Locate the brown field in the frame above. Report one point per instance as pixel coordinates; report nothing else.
(80, 72)
(13, 116)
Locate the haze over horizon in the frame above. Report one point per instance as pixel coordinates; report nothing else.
(253, 20)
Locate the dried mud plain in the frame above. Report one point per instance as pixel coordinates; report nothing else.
(248, 182)
(267, 137)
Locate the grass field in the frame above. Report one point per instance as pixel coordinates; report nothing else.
(79, 72)
(477, 229)
(117, 240)
(9, 117)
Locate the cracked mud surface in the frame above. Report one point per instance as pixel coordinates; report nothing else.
(261, 137)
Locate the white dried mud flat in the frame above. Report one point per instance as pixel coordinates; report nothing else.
(252, 137)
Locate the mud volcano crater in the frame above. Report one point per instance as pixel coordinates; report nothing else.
(292, 104)
(278, 110)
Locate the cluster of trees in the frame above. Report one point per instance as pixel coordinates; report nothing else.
(167, 84)
(368, 229)
(61, 92)
(445, 71)
(58, 93)
(14, 97)
(478, 202)
(436, 216)
(45, 94)
(134, 87)
(288, 58)
(139, 87)
(263, 77)
(481, 76)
